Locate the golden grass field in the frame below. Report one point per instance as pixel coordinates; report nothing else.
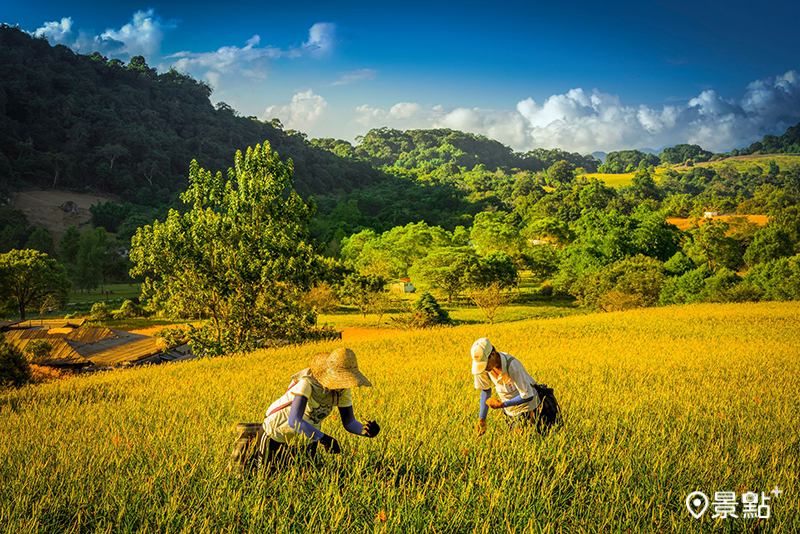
(658, 402)
(624, 179)
(740, 163)
(685, 224)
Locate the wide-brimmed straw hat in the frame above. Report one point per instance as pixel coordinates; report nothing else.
(337, 370)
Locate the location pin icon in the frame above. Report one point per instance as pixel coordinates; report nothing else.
(697, 504)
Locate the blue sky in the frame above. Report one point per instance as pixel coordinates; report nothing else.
(581, 76)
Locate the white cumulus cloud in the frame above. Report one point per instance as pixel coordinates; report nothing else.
(141, 36)
(586, 121)
(305, 110)
(321, 39)
(56, 32)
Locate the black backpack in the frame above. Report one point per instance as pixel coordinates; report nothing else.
(549, 410)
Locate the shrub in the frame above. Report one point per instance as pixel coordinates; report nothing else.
(546, 290)
(129, 310)
(322, 297)
(426, 312)
(100, 312)
(777, 279)
(38, 349)
(14, 368)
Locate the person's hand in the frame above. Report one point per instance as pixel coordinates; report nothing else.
(371, 429)
(494, 403)
(480, 428)
(330, 444)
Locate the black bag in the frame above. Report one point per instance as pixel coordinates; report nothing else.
(245, 448)
(549, 410)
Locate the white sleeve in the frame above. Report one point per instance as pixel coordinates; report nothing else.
(303, 387)
(521, 379)
(482, 381)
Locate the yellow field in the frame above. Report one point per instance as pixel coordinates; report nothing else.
(685, 224)
(620, 180)
(658, 403)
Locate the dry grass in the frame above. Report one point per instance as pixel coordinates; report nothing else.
(685, 224)
(658, 402)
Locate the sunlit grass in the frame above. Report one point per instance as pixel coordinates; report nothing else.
(624, 179)
(658, 403)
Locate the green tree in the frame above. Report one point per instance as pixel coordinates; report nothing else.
(629, 283)
(560, 174)
(769, 243)
(494, 268)
(41, 240)
(643, 187)
(445, 270)
(428, 312)
(711, 245)
(28, 278)
(778, 279)
(494, 232)
(14, 368)
(69, 246)
(238, 256)
(91, 258)
(361, 290)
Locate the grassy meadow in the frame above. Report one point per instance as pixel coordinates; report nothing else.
(740, 163)
(748, 163)
(658, 402)
(623, 179)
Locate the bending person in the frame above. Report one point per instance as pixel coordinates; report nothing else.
(309, 399)
(518, 394)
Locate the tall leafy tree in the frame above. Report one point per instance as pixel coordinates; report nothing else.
(445, 269)
(29, 278)
(69, 245)
(238, 256)
(41, 240)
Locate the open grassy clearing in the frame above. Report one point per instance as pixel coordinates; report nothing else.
(659, 403)
(624, 179)
(116, 293)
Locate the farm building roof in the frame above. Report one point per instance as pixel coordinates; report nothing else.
(85, 347)
(5, 325)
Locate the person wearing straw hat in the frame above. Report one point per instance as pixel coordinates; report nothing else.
(310, 398)
(519, 394)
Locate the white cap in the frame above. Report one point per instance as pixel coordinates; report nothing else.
(481, 350)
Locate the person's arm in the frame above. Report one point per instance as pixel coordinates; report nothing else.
(349, 421)
(515, 402)
(300, 425)
(483, 410)
(352, 425)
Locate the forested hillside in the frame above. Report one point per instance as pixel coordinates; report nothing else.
(81, 122)
(788, 143)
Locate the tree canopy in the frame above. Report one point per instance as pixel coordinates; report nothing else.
(238, 256)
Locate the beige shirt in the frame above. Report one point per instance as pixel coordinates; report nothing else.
(510, 383)
(320, 404)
